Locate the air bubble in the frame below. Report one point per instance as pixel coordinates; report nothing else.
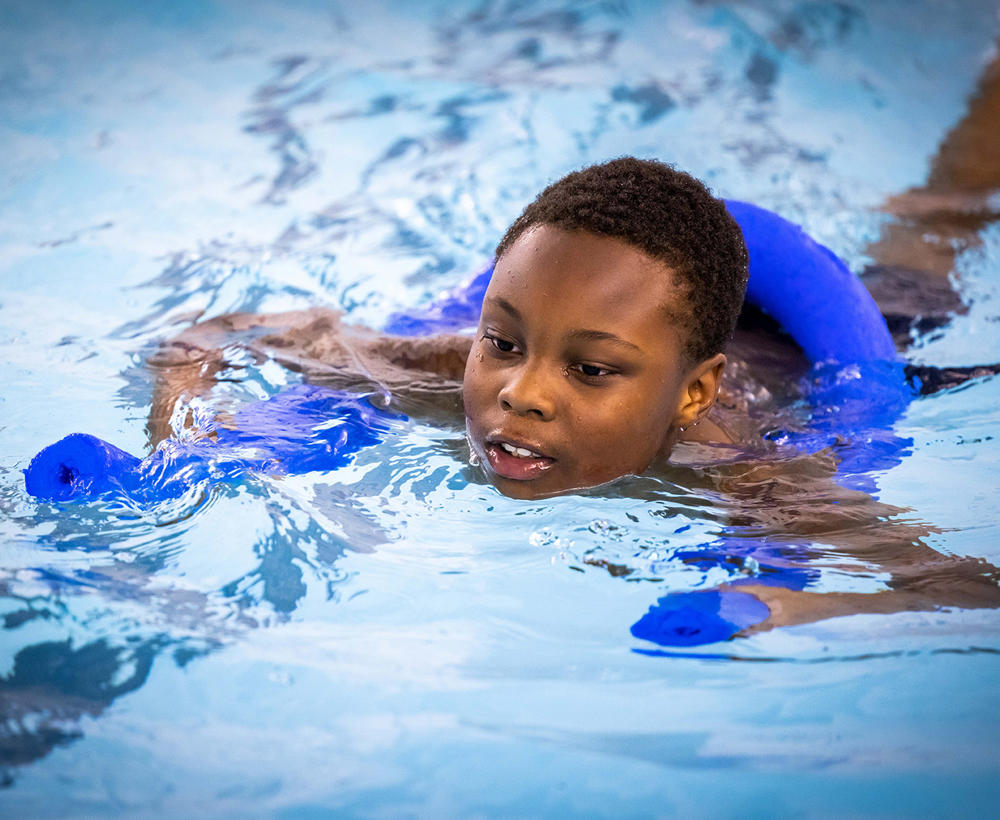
(542, 538)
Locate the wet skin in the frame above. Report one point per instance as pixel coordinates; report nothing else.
(577, 360)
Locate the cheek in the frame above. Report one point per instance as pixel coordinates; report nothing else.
(476, 384)
(627, 433)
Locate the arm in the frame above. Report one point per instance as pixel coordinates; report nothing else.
(798, 502)
(921, 579)
(965, 583)
(189, 365)
(314, 342)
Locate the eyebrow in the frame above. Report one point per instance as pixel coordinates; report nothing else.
(584, 335)
(601, 336)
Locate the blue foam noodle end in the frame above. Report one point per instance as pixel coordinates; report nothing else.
(80, 466)
(698, 618)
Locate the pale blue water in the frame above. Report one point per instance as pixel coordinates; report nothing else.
(396, 639)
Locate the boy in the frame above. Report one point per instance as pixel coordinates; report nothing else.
(600, 343)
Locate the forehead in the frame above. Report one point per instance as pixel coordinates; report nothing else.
(582, 273)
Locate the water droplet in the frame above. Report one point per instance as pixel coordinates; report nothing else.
(542, 538)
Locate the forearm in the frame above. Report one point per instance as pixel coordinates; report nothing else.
(798, 503)
(180, 372)
(314, 342)
(966, 584)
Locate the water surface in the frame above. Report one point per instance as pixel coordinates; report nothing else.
(396, 638)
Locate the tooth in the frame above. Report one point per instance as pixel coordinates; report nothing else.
(522, 452)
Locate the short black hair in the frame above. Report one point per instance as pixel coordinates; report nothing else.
(668, 215)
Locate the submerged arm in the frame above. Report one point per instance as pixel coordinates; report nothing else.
(314, 342)
(785, 536)
(965, 583)
(861, 535)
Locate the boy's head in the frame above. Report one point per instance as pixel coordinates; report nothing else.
(602, 330)
(671, 217)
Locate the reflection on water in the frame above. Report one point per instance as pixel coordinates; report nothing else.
(53, 685)
(370, 160)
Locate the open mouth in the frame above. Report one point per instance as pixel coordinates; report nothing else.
(515, 461)
(520, 452)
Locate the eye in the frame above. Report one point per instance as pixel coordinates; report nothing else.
(499, 343)
(593, 373)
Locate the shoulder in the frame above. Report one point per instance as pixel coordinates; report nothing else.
(708, 431)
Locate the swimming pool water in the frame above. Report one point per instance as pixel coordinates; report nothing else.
(396, 638)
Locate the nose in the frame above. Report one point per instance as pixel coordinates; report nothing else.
(528, 393)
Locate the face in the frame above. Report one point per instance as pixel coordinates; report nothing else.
(577, 375)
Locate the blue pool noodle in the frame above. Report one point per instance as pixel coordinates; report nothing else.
(797, 281)
(80, 464)
(304, 428)
(699, 617)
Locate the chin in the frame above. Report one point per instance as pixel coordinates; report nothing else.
(533, 490)
(524, 490)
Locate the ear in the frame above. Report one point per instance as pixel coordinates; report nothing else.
(700, 389)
